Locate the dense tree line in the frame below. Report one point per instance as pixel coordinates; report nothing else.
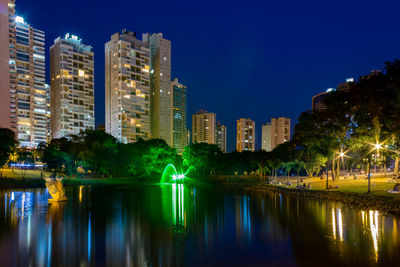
(360, 127)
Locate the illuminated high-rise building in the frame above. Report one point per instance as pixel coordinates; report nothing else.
(203, 127)
(266, 137)
(72, 86)
(161, 96)
(280, 131)
(245, 139)
(24, 106)
(179, 116)
(127, 85)
(318, 103)
(220, 136)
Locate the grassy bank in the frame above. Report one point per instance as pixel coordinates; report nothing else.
(350, 192)
(33, 179)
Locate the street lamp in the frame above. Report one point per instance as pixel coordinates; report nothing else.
(341, 156)
(378, 146)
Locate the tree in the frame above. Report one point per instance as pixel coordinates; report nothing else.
(55, 158)
(261, 158)
(157, 154)
(298, 166)
(98, 150)
(204, 157)
(313, 161)
(7, 144)
(24, 157)
(274, 164)
(288, 166)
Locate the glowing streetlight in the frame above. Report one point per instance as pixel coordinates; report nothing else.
(341, 154)
(378, 146)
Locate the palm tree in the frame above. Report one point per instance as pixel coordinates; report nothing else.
(274, 165)
(298, 166)
(288, 166)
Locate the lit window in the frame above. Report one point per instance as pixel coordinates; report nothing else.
(81, 73)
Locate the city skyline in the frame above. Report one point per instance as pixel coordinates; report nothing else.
(346, 59)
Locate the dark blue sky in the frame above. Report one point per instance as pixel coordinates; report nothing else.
(256, 59)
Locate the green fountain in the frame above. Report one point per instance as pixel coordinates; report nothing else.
(170, 175)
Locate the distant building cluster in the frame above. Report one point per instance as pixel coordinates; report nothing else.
(318, 100)
(275, 133)
(142, 101)
(206, 129)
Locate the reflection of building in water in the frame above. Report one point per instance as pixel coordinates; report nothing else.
(243, 219)
(44, 237)
(127, 228)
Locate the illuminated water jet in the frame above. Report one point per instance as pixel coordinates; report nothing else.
(171, 175)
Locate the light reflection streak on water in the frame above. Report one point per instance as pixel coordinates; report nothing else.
(363, 217)
(182, 206)
(80, 193)
(333, 223)
(174, 204)
(179, 204)
(89, 237)
(340, 224)
(29, 230)
(49, 241)
(373, 221)
(23, 205)
(37, 246)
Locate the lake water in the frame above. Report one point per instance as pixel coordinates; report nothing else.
(177, 225)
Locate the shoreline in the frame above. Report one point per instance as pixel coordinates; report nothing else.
(387, 204)
(19, 183)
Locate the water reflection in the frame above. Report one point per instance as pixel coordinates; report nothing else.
(176, 225)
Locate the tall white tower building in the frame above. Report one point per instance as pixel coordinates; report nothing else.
(72, 86)
(127, 85)
(161, 97)
(24, 105)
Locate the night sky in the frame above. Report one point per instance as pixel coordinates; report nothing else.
(256, 59)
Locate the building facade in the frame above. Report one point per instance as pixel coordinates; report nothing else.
(179, 116)
(127, 85)
(245, 138)
(266, 137)
(318, 100)
(280, 131)
(220, 136)
(24, 94)
(203, 127)
(72, 86)
(161, 95)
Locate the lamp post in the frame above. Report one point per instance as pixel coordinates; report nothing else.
(377, 147)
(341, 156)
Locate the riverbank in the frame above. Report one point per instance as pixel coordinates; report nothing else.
(34, 179)
(7, 183)
(389, 203)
